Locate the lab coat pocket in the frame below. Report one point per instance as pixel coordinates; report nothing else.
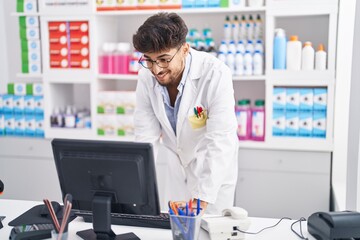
(198, 121)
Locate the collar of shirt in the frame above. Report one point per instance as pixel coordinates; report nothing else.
(172, 112)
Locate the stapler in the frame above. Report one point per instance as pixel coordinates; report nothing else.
(227, 225)
(334, 225)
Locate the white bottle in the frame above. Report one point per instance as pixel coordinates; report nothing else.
(230, 61)
(293, 54)
(222, 56)
(232, 47)
(258, 63)
(235, 28)
(248, 64)
(240, 46)
(242, 28)
(308, 57)
(250, 46)
(259, 46)
(223, 47)
(239, 63)
(250, 28)
(227, 29)
(320, 58)
(258, 27)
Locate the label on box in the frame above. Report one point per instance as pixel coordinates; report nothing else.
(306, 99)
(279, 98)
(320, 99)
(292, 123)
(18, 102)
(9, 124)
(292, 99)
(319, 124)
(305, 124)
(7, 103)
(29, 105)
(29, 125)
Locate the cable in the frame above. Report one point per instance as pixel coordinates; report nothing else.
(301, 236)
(263, 228)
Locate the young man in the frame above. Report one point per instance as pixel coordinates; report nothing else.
(185, 98)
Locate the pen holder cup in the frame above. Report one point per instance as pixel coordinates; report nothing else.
(185, 227)
(55, 235)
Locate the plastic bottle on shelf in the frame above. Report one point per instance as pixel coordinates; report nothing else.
(134, 65)
(235, 29)
(293, 54)
(248, 63)
(222, 57)
(249, 46)
(279, 53)
(259, 46)
(258, 25)
(230, 61)
(239, 63)
(232, 47)
(211, 46)
(258, 121)
(307, 56)
(122, 58)
(69, 118)
(104, 58)
(240, 46)
(243, 116)
(223, 47)
(320, 58)
(56, 118)
(258, 63)
(250, 28)
(227, 29)
(242, 28)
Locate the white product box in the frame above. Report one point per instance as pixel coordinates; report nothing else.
(9, 124)
(19, 104)
(305, 123)
(39, 105)
(37, 89)
(30, 6)
(34, 46)
(306, 99)
(35, 67)
(125, 125)
(319, 124)
(32, 33)
(106, 125)
(34, 56)
(29, 105)
(125, 102)
(106, 102)
(278, 123)
(320, 99)
(39, 126)
(29, 129)
(279, 98)
(19, 125)
(292, 99)
(292, 123)
(148, 4)
(29, 21)
(7, 103)
(236, 4)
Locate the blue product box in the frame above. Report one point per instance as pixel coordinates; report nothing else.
(2, 125)
(305, 123)
(7, 103)
(213, 3)
(292, 123)
(320, 99)
(18, 104)
(29, 104)
(278, 123)
(39, 105)
(39, 126)
(306, 99)
(19, 125)
(200, 3)
(279, 98)
(1, 105)
(29, 125)
(292, 99)
(319, 124)
(9, 124)
(188, 3)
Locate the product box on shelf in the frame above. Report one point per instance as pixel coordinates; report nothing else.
(306, 99)
(305, 124)
(320, 99)
(292, 123)
(19, 125)
(292, 99)
(319, 124)
(2, 125)
(29, 125)
(9, 124)
(27, 6)
(279, 98)
(278, 123)
(66, 6)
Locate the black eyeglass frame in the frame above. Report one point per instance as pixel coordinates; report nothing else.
(144, 63)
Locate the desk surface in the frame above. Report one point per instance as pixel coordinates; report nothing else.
(13, 208)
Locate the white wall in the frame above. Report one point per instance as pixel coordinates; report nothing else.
(3, 50)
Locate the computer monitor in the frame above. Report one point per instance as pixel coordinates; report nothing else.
(107, 176)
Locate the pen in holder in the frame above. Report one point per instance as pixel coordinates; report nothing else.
(185, 227)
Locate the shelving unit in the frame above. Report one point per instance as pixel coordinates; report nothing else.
(311, 20)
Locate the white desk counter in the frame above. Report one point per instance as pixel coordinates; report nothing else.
(13, 208)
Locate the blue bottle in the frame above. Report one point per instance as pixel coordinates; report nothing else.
(279, 53)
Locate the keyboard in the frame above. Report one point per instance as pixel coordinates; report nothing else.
(158, 221)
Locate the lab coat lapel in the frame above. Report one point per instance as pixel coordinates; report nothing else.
(161, 110)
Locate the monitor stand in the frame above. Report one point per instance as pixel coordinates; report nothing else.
(101, 209)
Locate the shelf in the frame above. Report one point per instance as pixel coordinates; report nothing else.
(182, 11)
(21, 14)
(290, 143)
(72, 133)
(28, 75)
(302, 83)
(249, 78)
(120, 139)
(132, 77)
(325, 76)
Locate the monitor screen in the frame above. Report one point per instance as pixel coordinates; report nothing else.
(124, 172)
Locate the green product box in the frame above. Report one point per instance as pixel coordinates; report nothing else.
(22, 32)
(29, 89)
(20, 6)
(224, 3)
(24, 45)
(25, 68)
(25, 57)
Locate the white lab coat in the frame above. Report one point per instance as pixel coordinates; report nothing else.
(202, 162)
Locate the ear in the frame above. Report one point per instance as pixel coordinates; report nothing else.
(186, 49)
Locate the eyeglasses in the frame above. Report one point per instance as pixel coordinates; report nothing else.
(162, 62)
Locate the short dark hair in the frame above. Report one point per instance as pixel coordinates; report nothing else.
(160, 32)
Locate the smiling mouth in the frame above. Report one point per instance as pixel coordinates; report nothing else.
(161, 75)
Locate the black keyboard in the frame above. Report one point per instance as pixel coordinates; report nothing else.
(159, 221)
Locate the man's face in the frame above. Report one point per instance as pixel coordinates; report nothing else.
(172, 64)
